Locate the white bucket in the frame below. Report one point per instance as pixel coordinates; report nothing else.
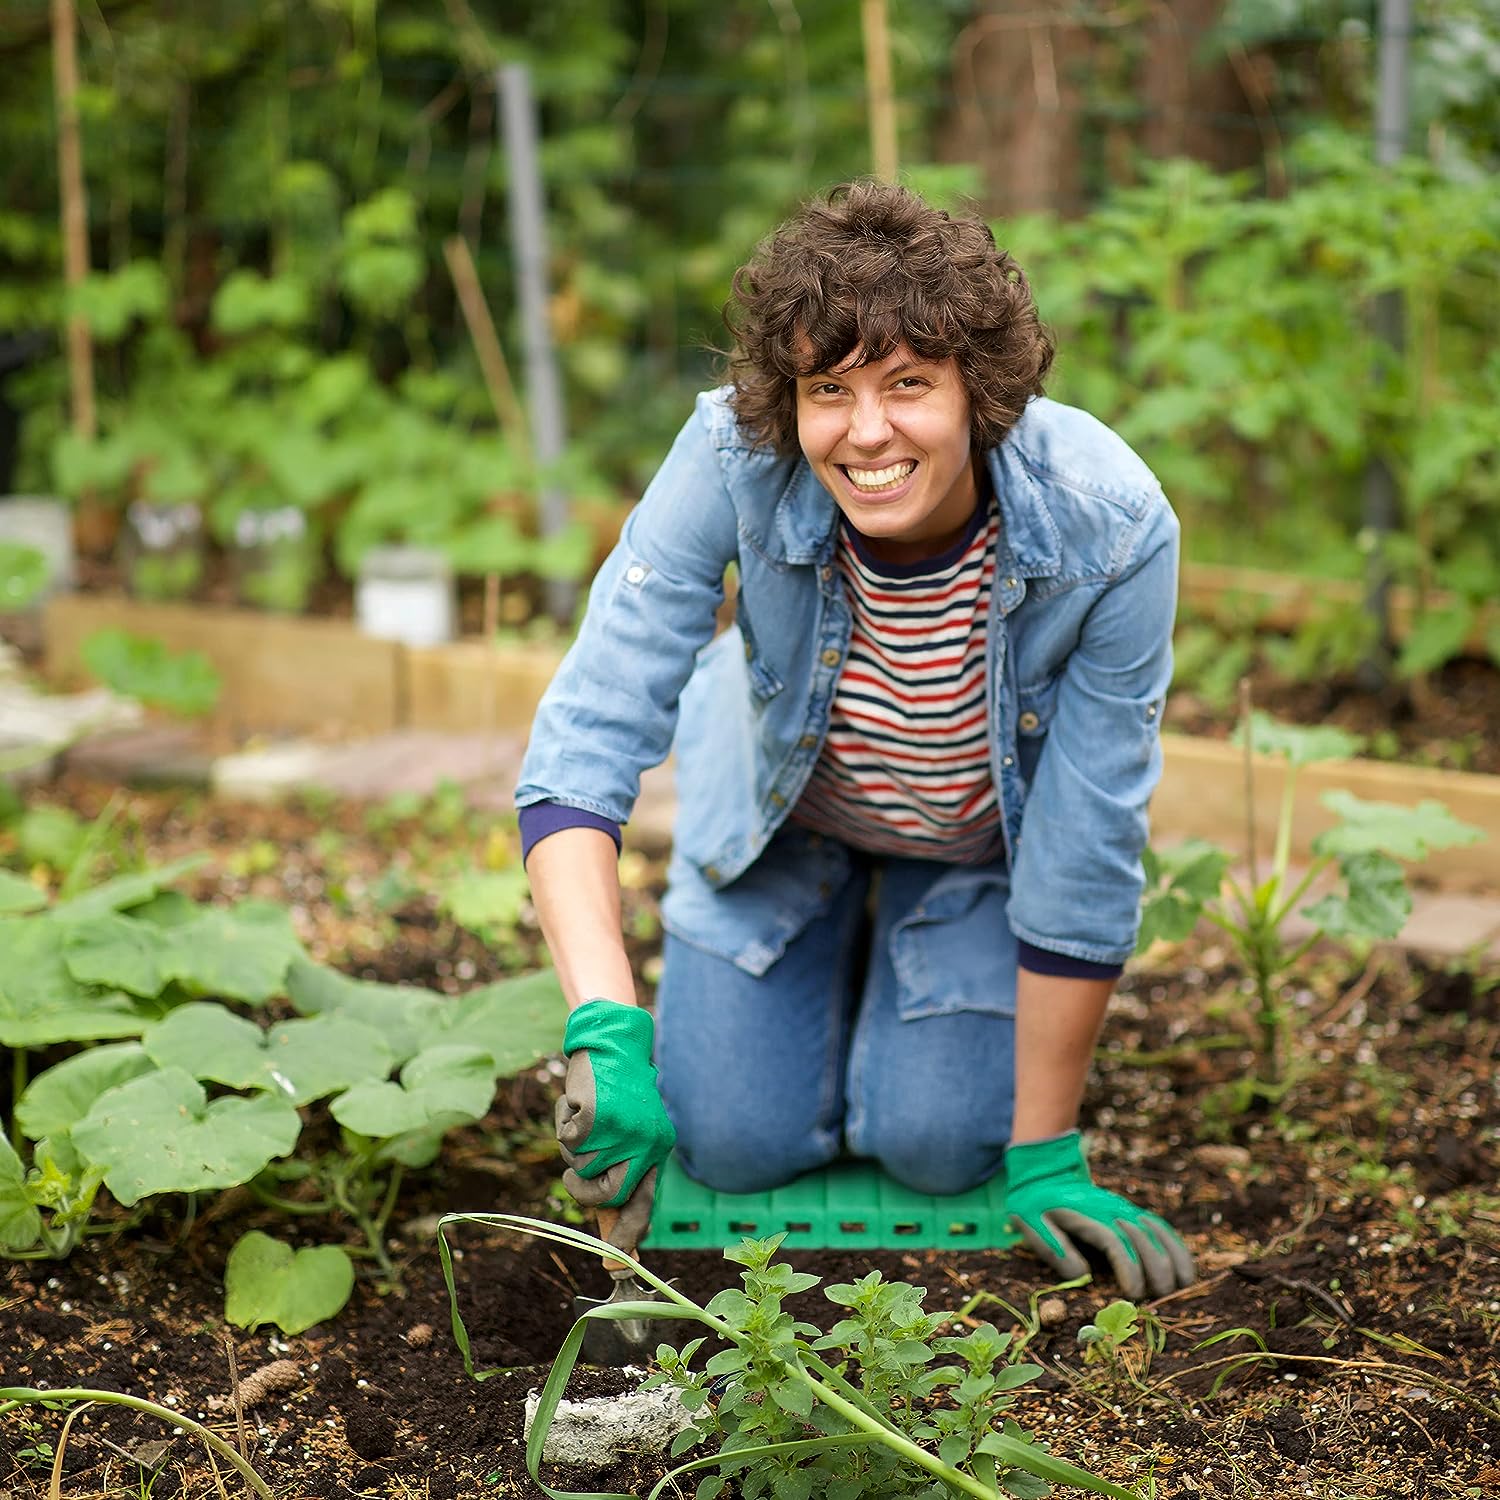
(46, 524)
(406, 594)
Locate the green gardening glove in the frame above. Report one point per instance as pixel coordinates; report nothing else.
(611, 1125)
(1049, 1195)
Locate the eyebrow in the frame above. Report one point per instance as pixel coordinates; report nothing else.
(901, 369)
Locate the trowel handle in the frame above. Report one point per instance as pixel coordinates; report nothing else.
(608, 1218)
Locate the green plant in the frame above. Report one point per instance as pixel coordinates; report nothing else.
(1369, 899)
(893, 1409)
(172, 1089)
(141, 667)
(1122, 1340)
(23, 575)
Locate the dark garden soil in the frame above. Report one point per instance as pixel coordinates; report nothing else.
(1451, 723)
(1343, 1342)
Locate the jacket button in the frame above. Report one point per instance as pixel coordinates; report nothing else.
(831, 658)
(807, 742)
(1010, 583)
(777, 800)
(711, 872)
(1009, 760)
(635, 574)
(1028, 721)
(749, 650)
(826, 573)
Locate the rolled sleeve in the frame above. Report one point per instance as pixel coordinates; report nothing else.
(1078, 877)
(610, 711)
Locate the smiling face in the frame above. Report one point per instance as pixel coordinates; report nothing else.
(890, 441)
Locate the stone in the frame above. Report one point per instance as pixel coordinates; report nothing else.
(593, 1434)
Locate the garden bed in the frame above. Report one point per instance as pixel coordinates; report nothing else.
(1355, 1258)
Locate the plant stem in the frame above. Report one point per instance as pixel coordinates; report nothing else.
(13, 1396)
(288, 1205)
(17, 1086)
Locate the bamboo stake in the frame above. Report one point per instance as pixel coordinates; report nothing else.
(74, 210)
(496, 372)
(874, 21)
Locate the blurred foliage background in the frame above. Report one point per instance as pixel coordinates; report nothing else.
(1189, 182)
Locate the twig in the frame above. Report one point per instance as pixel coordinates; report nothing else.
(486, 341)
(236, 1395)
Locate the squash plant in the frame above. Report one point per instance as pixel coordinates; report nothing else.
(175, 1081)
(1368, 901)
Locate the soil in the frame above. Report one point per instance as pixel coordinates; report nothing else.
(1343, 1341)
(1450, 721)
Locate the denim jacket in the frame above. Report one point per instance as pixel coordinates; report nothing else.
(1079, 650)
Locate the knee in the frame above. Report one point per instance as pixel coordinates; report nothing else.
(749, 1156)
(934, 1156)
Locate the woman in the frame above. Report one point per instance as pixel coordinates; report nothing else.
(912, 781)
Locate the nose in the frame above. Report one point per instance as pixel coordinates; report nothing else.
(869, 427)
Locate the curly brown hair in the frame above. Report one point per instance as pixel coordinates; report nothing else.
(870, 267)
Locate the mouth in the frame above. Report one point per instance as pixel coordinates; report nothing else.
(879, 482)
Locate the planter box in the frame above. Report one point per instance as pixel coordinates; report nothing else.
(474, 686)
(1285, 601)
(285, 674)
(1202, 795)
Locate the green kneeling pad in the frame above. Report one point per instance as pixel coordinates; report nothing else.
(848, 1205)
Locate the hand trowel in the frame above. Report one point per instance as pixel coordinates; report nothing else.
(624, 1341)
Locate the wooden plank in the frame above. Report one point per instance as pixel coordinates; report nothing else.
(281, 673)
(1255, 597)
(471, 686)
(1202, 795)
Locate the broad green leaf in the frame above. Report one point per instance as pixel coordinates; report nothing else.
(266, 1281)
(23, 574)
(40, 1001)
(403, 1014)
(241, 954)
(159, 1134)
(20, 1223)
(1436, 638)
(54, 1101)
(1302, 745)
(18, 895)
(111, 949)
(444, 1085)
(52, 836)
(141, 667)
(486, 901)
(1388, 828)
(1180, 882)
(1376, 903)
(516, 1020)
(127, 891)
(302, 1060)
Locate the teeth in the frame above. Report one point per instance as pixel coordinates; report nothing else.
(877, 479)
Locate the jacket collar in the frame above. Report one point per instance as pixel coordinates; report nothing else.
(807, 518)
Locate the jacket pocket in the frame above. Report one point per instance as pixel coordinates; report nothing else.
(764, 683)
(954, 951)
(1036, 706)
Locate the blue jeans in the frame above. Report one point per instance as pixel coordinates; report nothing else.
(884, 1028)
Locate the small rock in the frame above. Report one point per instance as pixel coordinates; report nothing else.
(419, 1335)
(593, 1434)
(1051, 1312)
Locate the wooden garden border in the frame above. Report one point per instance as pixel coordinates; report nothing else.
(305, 675)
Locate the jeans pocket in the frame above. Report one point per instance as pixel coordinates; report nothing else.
(954, 951)
(752, 920)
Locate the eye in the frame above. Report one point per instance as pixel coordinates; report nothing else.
(914, 382)
(824, 388)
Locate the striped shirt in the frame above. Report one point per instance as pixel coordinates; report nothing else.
(905, 769)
